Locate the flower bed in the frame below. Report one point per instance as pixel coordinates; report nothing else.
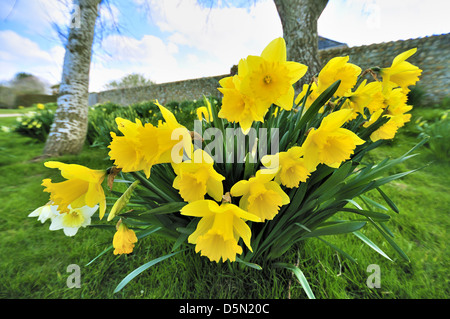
(257, 174)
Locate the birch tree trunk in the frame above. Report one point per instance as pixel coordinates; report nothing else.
(299, 21)
(68, 131)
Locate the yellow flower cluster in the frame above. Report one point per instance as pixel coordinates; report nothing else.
(386, 98)
(261, 81)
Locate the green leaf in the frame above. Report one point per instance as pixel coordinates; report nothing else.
(102, 253)
(343, 253)
(371, 202)
(391, 242)
(249, 264)
(152, 187)
(168, 208)
(140, 269)
(368, 213)
(370, 244)
(317, 104)
(184, 233)
(335, 179)
(300, 276)
(341, 228)
(388, 200)
(146, 232)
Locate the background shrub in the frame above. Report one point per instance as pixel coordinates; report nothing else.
(36, 124)
(438, 133)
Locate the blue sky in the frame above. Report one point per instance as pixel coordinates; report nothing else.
(171, 40)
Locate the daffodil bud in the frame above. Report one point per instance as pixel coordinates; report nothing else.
(122, 201)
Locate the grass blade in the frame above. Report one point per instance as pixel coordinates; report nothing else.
(300, 276)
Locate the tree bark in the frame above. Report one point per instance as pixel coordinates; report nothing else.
(68, 131)
(299, 21)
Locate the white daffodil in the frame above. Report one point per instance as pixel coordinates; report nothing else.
(45, 212)
(72, 220)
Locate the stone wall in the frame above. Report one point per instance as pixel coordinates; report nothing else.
(432, 56)
(164, 93)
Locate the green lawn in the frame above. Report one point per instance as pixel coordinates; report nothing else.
(34, 260)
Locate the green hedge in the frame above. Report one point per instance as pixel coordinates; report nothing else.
(102, 117)
(30, 99)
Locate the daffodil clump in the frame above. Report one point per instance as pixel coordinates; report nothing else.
(263, 170)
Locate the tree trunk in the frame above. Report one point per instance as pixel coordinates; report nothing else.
(299, 21)
(69, 128)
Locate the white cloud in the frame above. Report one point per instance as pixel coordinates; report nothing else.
(226, 34)
(374, 21)
(20, 54)
(122, 55)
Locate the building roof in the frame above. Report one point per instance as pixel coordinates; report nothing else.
(325, 43)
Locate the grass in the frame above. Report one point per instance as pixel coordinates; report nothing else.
(34, 260)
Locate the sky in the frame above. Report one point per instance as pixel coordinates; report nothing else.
(172, 40)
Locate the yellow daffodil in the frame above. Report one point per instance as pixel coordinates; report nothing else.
(397, 98)
(387, 131)
(289, 166)
(358, 100)
(395, 111)
(40, 106)
(378, 102)
(386, 97)
(143, 146)
(270, 77)
(72, 219)
(313, 95)
(330, 144)
(336, 69)
(169, 134)
(401, 72)
(197, 177)
(219, 229)
(124, 240)
(239, 108)
(125, 150)
(261, 81)
(204, 112)
(261, 196)
(82, 187)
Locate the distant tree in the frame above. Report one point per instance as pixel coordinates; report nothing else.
(129, 81)
(299, 21)
(26, 83)
(7, 96)
(68, 131)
